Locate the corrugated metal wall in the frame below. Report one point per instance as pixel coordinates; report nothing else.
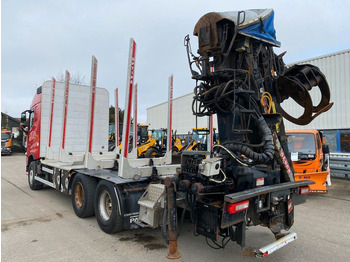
(183, 119)
(336, 67)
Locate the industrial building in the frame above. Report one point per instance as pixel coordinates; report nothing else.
(334, 123)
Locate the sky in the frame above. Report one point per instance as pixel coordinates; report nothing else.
(42, 39)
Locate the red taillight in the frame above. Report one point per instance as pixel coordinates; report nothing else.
(304, 190)
(290, 205)
(237, 207)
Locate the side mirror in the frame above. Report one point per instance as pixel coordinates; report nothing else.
(325, 149)
(24, 116)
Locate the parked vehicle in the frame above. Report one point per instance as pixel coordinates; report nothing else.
(6, 142)
(310, 157)
(159, 139)
(199, 138)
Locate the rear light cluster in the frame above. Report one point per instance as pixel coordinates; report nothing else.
(260, 181)
(290, 205)
(237, 207)
(304, 190)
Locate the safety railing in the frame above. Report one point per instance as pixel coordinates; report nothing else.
(339, 164)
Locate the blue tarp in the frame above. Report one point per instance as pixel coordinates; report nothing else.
(266, 33)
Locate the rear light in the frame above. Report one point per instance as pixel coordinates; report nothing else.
(290, 205)
(237, 207)
(260, 181)
(304, 190)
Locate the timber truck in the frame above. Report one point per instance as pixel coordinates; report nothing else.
(246, 180)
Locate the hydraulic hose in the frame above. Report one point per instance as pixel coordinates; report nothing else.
(268, 148)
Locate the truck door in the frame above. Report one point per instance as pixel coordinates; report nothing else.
(33, 141)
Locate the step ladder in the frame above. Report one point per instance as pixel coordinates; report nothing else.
(152, 204)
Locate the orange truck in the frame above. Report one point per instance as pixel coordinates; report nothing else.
(6, 142)
(310, 157)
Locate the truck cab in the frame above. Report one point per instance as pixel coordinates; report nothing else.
(310, 157)
(6, 142)
(32, 127)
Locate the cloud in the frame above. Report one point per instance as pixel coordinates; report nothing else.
(42, 38)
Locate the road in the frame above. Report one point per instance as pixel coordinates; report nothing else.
(42, 226)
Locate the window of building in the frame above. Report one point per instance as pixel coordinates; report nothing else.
(345, 140)
(331, 139)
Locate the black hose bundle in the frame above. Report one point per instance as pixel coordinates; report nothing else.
(268, 147)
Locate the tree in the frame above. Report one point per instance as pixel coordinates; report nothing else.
(112, 115)
(4, 121)
(75, 79)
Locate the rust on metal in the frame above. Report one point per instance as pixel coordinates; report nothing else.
(249, 251)
(172, 223)
(296, 83)
(134, 189)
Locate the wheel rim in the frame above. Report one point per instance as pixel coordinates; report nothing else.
(105, 205)
(79, 195)
(31, 176)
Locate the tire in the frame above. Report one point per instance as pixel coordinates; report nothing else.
(107, 208)
(33, 184)
(174, 150)
(83, 191)
(151, 152)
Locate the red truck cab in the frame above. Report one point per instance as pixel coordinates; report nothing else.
(33, 128)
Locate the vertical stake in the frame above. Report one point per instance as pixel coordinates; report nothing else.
(128, 98)
(116, 119)
(135, 117)
(52, 106)
(65, 108)
(92, 97)
(170, 112)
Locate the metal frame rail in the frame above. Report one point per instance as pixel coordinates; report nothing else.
(340, 165)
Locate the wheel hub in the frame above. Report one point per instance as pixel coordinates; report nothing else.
(105, 205)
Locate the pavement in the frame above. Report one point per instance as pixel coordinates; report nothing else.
(42, 226)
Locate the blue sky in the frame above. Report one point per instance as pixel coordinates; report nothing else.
(41, 39)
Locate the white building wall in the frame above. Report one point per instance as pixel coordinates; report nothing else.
(183, 119)
(336, 68)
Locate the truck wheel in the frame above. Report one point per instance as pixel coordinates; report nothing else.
(83, 191)
(107, 208)
(151, 152)
(33, 184)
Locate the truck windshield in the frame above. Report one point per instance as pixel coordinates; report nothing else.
(157, 134)
(142, 131)
(200, 136)
(302, 143)
(5, 136)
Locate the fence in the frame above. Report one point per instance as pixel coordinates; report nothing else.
(339, 164)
